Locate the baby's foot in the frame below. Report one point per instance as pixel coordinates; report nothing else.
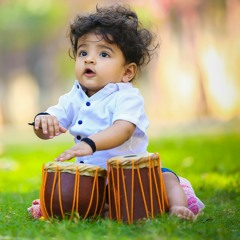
(182, 212)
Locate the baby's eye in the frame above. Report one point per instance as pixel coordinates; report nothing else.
(82, 54)
(104, 54)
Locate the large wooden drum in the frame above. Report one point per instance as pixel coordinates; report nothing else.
(135, 187)
(72, 189)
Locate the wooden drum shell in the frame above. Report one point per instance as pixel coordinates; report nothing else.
(136, 192)
(64, 194)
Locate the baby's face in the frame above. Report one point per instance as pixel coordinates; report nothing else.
(98, 63)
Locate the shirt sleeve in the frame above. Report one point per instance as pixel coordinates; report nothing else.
(63, 110)
(129, 106)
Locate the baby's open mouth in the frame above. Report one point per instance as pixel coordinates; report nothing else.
(89, 71)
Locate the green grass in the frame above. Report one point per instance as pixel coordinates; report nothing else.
(210, 162)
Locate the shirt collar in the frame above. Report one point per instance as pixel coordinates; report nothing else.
(105, 91)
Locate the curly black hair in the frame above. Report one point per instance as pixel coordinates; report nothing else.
(119, 25)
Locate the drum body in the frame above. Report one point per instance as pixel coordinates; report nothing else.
(135, 187)
(72, 189)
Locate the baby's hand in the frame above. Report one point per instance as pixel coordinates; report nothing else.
(78, 150)
(49, 125)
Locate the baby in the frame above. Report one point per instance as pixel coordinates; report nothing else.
(103, 111)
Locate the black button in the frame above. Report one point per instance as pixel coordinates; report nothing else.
(80, 122)
(78, 137)
(88, 104)
(77, 86)
(81, 161)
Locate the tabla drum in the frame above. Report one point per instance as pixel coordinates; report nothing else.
(72, 188)
(136, 188)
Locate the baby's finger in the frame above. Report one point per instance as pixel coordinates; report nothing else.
(62, 129)
(56, 126)
(37, 123)
(51, 127)
(67, 155)
(40, 122)
(44, 124)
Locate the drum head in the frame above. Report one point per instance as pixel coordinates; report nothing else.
(141, 160)
(70, 167)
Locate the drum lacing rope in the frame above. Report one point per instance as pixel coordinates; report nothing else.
(42, 194)
(77, 190)
(132, 193)
(150, 165)
(160, 203)
(59, 192)
(118, 190)
(57, 176)
(164, 198)
(125, 195)
(104, 198)
(114, 193)
(159, 187)
(142, 190)
(52, 193)
(97, 196)
(109, 192)
(91, 199)
(75, 193)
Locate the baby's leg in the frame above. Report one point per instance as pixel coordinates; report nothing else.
(194, 203)
(176, 197)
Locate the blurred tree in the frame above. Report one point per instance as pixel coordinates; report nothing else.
(29, 33)
(33, 41)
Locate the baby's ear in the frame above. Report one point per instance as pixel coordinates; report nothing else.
(130, 72)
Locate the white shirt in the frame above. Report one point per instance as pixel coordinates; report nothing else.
(84, 116)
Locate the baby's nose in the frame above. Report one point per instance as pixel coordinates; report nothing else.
(89, 61)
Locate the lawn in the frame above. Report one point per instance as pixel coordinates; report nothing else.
(210, 161)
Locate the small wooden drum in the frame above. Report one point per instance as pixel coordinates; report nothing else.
(72, 188)
(135, 187)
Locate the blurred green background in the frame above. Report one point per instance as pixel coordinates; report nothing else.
(194, 77)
